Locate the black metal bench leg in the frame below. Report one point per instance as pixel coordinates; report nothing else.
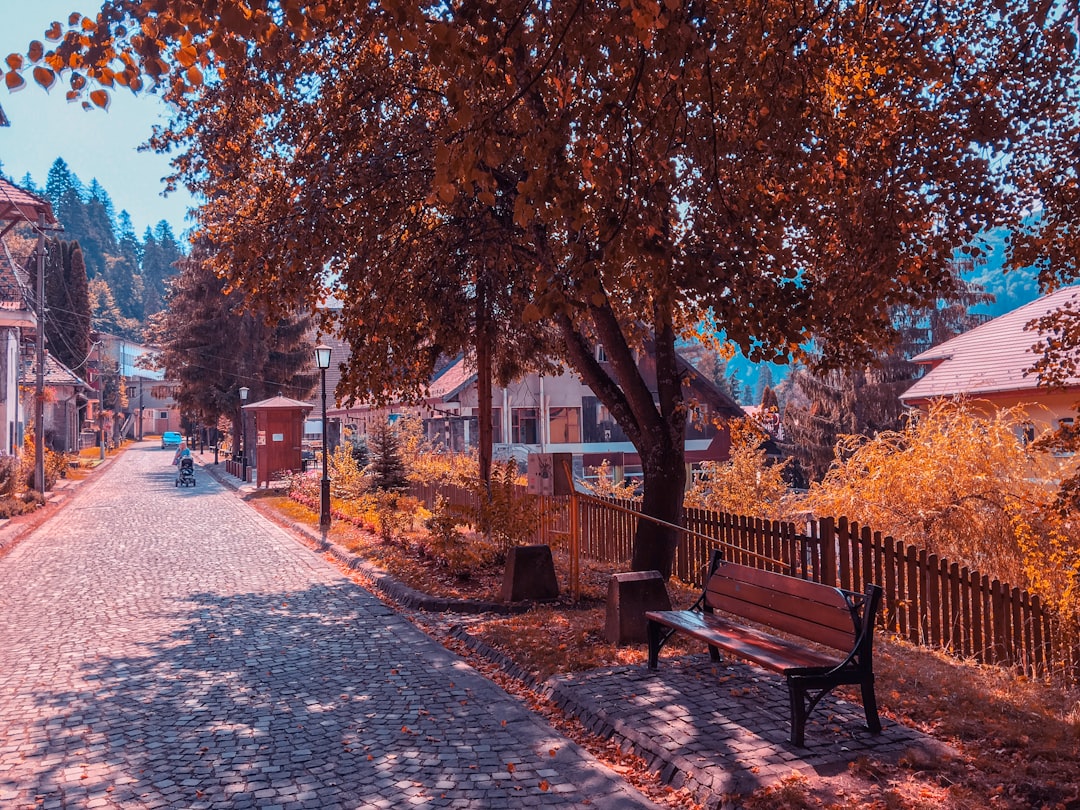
(653, 632)
(869, 699)
(797, 699)
(714, 654)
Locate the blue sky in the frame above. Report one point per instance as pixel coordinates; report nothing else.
(101, 144)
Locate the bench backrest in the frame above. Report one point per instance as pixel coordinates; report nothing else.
(819, 613)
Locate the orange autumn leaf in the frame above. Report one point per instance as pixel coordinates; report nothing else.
(45, 77)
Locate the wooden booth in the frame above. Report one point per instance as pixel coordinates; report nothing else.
(278, 436)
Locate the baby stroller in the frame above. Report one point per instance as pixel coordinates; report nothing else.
(185, 472)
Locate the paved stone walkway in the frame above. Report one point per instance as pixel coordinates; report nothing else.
(722, 730)
(164, 647)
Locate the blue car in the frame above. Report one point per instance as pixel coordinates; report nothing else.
(170, 438)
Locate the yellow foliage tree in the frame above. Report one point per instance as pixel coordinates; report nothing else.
(967, 487)
(425, 464)
(747, 483)
(347, 480)
(605, 485)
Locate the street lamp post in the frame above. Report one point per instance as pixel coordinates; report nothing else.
(244, 391)
(322, 359)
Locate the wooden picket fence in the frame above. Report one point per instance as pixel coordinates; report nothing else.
(927, 600)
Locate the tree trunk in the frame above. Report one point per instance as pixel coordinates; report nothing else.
(665, 480)
(656, 429)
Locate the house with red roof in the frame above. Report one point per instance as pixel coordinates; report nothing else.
(990, 366)
(65, 395)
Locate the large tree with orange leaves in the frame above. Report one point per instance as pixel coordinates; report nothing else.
(620, 171)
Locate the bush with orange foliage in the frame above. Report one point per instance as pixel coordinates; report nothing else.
(967, 487)
(747, 483)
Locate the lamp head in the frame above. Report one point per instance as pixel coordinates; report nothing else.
(322, 356)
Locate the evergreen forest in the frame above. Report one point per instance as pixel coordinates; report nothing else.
(127, 275)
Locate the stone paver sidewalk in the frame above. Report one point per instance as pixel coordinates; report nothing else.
(164, 647)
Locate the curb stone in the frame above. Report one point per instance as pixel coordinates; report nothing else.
(382, 580)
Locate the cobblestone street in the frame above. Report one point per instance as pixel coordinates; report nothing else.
(169, 647)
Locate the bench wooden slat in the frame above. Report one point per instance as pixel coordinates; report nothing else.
(824, 622)
(796, 586)
(746, 642)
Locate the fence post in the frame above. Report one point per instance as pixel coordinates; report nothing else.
(575, 536)
(827, 533)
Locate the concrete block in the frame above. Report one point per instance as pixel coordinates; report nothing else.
(529, 574)
(630, 594)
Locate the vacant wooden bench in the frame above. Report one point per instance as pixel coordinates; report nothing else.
(831, 617)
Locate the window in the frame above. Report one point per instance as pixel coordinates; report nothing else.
(565, 425)
(1065, 425)
(523, 426)
(163, 415)
(496, 426)
(601, 355)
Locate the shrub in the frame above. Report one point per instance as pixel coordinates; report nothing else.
(605, 485)
(55, 465)
(458, 551)
(393, 514)
(302, 487)
(966, 487)
(347, 479)
(505, 518)
(12, 506)
(11, 480)
(745, 484)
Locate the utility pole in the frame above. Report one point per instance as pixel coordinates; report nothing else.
(101, 400)
(39, 391)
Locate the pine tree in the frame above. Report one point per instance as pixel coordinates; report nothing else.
(126, 285)
(106, 316)
(161, 252)
(98, 194)
(387, 466)
(213, 345)
(67, 326)
(735, 386)
(764, 381)
(127, 240)
(60, 181)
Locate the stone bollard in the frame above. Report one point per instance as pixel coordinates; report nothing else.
(630, 594)
(529, 574)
